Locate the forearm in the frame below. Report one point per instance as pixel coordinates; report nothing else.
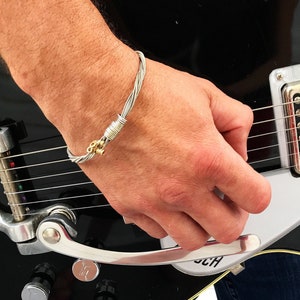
(183, 139)
(60, 53)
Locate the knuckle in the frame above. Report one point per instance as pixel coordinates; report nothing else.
(249, 112)
(195, 242)
(124, 211)
(263, 198)
(150, 226)
(260, 198)
(208, 163)
(148, 206)
(232, 230)
(172, 194)
(230, 234)
(158, 234)
(248, 116)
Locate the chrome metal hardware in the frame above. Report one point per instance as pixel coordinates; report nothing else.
(19, 231)
(7, 176)
(291, 101)
(40, 284)
(6, 141)
(85, 270)
(35, 291)
(11, 189)
(24, 232)
(67, 246)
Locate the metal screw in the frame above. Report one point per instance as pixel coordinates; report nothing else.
(279, 76)
(297, 99)
(51, 235)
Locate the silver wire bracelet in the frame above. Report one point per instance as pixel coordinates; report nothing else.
(98, 146)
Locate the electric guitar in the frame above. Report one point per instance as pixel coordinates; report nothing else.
(62, 240)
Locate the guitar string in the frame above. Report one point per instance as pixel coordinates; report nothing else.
(86, 182)
(63, 147)
(271, 133)
(49, 188)
(63, 199)
(58, 199)
(265, 147)
(67, 159)
(43, 177)
(35, 152)
(84, 196)
(78, 196)
(255, 123)
(76, 184)
(46, 163)
(36, 213)
(79, 171)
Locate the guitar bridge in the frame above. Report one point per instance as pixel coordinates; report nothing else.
(10, 133)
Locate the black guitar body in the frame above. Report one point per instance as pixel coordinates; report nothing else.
(235, 44)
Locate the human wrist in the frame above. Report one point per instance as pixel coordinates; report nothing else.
(47, 57)
(78, 70)
(98, 146)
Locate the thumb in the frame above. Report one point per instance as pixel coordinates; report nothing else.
(233, 120)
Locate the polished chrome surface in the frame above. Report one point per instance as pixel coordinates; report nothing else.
(291, 97)
(25, 230)
(6, 141)
(7, 176)
(65, 245)
(85, 270)
(34, 291)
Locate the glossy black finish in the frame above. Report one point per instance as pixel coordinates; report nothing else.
(236, 44)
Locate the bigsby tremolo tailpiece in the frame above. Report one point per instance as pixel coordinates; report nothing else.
(18, 225)
(54, 228)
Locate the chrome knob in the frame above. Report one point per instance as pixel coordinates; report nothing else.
(35, 291)
(40, 283)
(85, 270)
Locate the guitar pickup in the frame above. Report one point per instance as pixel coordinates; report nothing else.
(291, 105)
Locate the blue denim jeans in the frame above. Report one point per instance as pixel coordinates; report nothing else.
(266, 277)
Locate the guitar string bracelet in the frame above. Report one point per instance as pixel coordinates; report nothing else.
(98, 146)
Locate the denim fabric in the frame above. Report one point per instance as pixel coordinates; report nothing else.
(270, 276)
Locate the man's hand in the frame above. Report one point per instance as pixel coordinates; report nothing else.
(184, 139)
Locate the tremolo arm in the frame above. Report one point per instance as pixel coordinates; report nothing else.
(54, 236)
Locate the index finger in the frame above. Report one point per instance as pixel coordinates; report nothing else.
(239, 181)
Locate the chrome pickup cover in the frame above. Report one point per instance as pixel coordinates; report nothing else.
(291, 101)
